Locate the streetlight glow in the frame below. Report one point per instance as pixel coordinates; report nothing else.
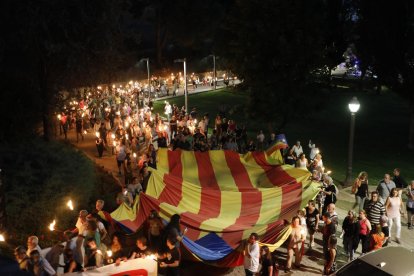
(354, 105)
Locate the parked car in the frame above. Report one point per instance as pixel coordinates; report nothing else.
(390, 260)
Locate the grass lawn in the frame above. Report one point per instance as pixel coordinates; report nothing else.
(381, 130)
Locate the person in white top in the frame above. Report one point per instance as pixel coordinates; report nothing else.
(393, 207)
(168, 110)
(297, 238)
(251, 255)
(313, 150)
(297, 149)
(33, 244)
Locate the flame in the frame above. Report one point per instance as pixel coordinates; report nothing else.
(2, 238)
(113, 136)
(70, 204)
(85, 132)
(328, 172)
(59, 116)
(52, 226)
(97, 134)
(134, 155)
(109, 253)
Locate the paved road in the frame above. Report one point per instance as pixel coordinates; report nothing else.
(312, 262)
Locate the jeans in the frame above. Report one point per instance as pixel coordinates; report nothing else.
(397, 221)
(359, 201)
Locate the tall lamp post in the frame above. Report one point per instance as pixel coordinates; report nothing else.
(214, 71)
(353, 108)
(185, 82)
(149, 83)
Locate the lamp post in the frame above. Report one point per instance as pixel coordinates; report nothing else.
(185, 82)
(353, 108)
(149, 83)
(214, 71)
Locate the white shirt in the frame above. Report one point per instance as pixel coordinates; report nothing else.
(314, 150)
(251, 259)
(297, 150)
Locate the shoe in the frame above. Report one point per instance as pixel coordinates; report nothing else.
(410, 227)
(312, 244)
(287, 269)
(398, 240)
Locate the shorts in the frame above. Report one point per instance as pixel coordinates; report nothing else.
(311, 229)
(386, 231)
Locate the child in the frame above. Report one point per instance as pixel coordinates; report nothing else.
(302, 217)
(385, 229)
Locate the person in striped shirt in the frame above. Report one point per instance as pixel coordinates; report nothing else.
(375, 209)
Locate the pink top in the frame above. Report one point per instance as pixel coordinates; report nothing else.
(393, 209)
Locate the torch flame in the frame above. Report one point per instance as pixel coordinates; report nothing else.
(2, 239)
(109, 253)
(52, 226)
(70, 204)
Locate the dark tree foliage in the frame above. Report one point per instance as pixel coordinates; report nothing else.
(386, 43)
(54, 45)
(182, 28)
(278, 47)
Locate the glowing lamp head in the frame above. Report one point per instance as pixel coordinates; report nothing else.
(354, 105)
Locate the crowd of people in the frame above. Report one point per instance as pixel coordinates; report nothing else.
(126, 128)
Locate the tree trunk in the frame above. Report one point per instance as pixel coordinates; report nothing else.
(47, 97)
(411, 129)
(158, 39)
(2, 206)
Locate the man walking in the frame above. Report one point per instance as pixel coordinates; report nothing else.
(384, 188)
(251, 255)
(374, 209)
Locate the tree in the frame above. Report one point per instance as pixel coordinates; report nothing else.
(56, 45)
(186, 27)
(277, 47)
(386, 43)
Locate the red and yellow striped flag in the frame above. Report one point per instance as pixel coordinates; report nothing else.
(226, 193)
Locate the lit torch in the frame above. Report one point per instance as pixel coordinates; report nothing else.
(70, 205)
(2, 238)
(52, 226)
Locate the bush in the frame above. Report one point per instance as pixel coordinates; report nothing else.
(39, 178)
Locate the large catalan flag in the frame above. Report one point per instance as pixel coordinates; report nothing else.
(222, 197)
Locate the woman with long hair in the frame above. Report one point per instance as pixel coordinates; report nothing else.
(393, 207)
(360, 189)
(267, 262)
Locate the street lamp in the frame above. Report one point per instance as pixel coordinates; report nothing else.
(214, 71)
(149, 83)
(185, 82)
(353, 108)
